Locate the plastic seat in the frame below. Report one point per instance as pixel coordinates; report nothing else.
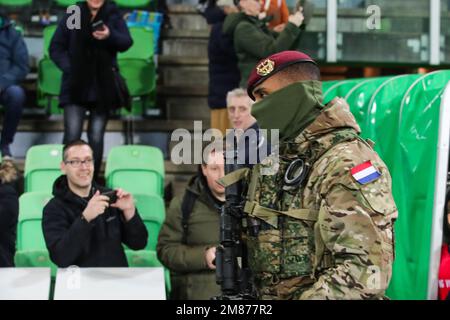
(49, 77)
(15, 3)
(49, 85)
(31, 247)
(42, 167)
(142, 47)
(359, 96)
(136, 169)
(133, 3)
(414, 184)
(29, 229)
(152, 211)
(137, 66)
(340, 89)
(65, 3)
(382, 114)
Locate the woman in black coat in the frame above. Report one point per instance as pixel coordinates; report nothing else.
(87, 55)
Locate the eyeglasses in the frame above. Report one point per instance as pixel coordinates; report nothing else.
(77, 163)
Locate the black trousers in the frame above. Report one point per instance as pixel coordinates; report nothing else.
(74, 116)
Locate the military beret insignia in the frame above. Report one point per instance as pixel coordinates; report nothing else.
(265, 67)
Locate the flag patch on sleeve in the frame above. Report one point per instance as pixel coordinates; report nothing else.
(365, 173)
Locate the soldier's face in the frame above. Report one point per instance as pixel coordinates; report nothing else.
(270, 85)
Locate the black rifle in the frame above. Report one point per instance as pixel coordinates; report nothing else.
(232, 271)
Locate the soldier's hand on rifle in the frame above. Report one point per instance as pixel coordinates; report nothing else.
(297, 18)
(210, 256)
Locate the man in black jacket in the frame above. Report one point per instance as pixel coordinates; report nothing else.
(80, 225)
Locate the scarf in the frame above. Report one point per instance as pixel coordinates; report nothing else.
(290, 109)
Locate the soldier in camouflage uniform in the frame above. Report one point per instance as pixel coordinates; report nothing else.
(326, 227)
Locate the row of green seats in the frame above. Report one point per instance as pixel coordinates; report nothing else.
(414, 181)
(135, 168)
(401, 115)
(32, 250)
(136, 66)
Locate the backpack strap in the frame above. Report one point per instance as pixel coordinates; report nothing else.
(187, 205)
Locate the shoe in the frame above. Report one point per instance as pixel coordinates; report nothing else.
(5, 152)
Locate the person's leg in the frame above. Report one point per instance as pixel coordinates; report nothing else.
(13, 101)
(96, 133)
(73, 122)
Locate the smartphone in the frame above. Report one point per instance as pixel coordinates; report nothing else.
(98, 25)
(112, 195)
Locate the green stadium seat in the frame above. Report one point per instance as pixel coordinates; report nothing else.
(152, 211)
(339, 89)
(31, 247)
(414, 184)
(48, 33)
(136, 169)
(381, 115)
(147, 258)
(49, 77)
(327, 84)
(142, 48)
(136, 65)
(15, 3)
(29, 229)
(49, 86)
(65, 3)
(42, 167)
(359, 96)
(133, 3)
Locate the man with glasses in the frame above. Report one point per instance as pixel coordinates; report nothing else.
(86, 224)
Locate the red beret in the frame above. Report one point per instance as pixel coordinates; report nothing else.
(269, 66)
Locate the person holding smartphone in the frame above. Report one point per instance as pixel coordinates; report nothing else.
(87, 56)
(85, 224)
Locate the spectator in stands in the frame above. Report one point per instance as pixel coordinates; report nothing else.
(81, 225)
(276, 13)
(189, 236)
(239, 106)
(253, 148)
(13, 70)
(88, 59)
(252, 39)
(224, 74)
(9, 212)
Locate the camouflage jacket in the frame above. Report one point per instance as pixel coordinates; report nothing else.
(333, 236)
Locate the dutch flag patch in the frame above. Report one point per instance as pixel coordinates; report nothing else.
(365, 173)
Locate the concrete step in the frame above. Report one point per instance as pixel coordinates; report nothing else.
(183, 75)
(164, 60)
(197, 48)
(141, 125)
(187, 108)
(189, 90)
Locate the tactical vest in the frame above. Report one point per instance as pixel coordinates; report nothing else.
(288, 245)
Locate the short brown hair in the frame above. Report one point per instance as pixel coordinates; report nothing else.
(78, 142)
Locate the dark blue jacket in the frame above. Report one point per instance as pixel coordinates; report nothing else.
(63, 44)
(13, 55)
(224, 74)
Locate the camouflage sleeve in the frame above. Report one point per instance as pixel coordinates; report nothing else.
(355, 224)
